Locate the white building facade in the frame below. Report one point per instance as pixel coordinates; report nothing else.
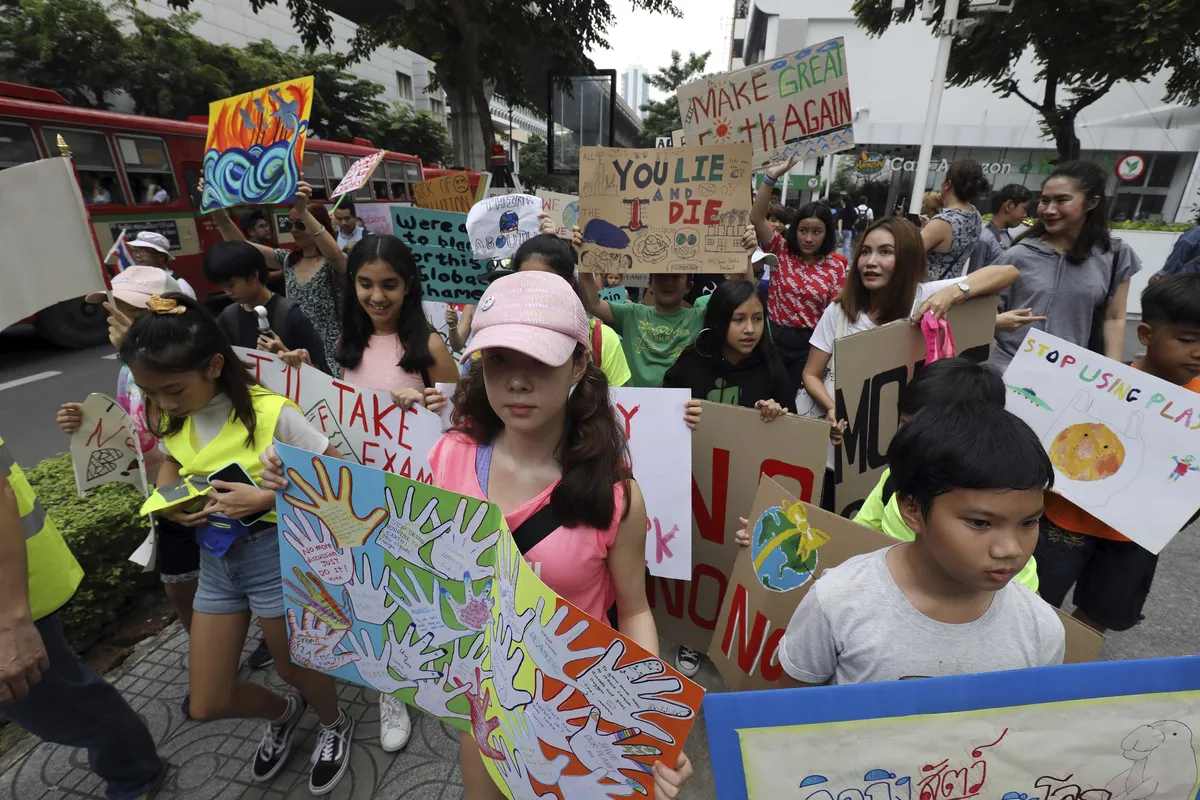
(889, 83)
(634, 86)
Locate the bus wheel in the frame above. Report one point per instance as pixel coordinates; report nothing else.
(74, 324)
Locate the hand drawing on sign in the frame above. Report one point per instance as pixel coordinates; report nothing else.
(334, 508)
(508, 563)
(475, 612)
(590, 786)
(403, 535)
(626, 694)
(411, 655)
(375, 668)
(425, 609)
(334, 565)
(481, 726)
(506, 663)
(434, 696)
(516, 775)
(455, 550)
(605, 751)
(367, 598)
(1098, 458)
(462, 668)
(1164, 763)
(312, 641)
(525, 741)
(551, 650)
(553, 723)
(314, 598)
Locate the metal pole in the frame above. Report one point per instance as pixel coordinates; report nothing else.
(945, 42)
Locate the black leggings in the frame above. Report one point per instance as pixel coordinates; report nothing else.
(793, 347)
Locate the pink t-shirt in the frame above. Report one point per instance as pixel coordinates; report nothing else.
(378, 369)
(573, 561)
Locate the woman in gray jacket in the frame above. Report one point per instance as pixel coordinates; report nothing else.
(1074, 275)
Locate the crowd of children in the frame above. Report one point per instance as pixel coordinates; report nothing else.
(968, 493)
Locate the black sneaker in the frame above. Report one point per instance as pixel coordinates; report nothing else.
(332, 755)
(277, 741)
(261, 657)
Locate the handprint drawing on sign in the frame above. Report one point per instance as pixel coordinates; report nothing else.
(481, 728)
(335, 509)
(403, 534)
(374, 668)
(455, 550)
(411, 657)
(551, 650)
(512, 769)
(590, 787)
(311, 642)
(462, 668)
(524, 741)
(627, 694)
(554, 725)
(333, 564)
(315, 599)
(505, 666)
(434, 696)
(367, 598)
(475, 612)
(425, 609)
(508, 569)
(605, 751)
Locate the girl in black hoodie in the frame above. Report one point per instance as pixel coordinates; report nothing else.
(733, 359)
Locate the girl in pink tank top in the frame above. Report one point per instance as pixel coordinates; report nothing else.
(533, 427)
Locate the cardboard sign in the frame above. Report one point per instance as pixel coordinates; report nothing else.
(498, 225)
(731, 448)
(105, 448)
(360, 172)
(795, 105)
(364, 425)
(1121, 441)
(445, 193)
(48, 228)
(563, 210)
(871, 369)
(254, 152)
(421, 594)
(680, 209)
(442, 249)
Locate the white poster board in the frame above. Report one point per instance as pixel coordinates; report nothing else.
(1123, 443)
(563, 210)
(497, 226)
(105, 448)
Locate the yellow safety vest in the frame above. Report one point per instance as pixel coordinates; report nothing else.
(54, 574)
(230, 444)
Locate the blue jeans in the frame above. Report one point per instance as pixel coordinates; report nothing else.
(848, 244)
(74, 706)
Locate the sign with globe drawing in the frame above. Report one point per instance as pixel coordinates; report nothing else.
(784, 547)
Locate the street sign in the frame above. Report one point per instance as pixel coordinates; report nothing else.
(663, 141)
(813, 182)
(1131, 167)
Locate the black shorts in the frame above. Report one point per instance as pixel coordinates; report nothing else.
(178, 553)
(1112, 579)
(792, 346)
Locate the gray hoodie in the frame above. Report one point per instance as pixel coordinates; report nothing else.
(1067, 294)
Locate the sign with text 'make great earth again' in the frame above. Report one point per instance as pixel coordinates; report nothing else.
(795, 105)
(664, 210)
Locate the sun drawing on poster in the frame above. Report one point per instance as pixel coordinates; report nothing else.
(783, 548)
(1087, 451)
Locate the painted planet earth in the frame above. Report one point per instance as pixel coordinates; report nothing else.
(571, 215)
(1087, 451)
(780, 562)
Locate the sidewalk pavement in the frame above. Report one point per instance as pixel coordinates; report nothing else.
(211, 761)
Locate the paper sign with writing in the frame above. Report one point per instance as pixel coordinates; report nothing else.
(731, 448)
(375, 217)
(614, 294)
(359, 173)
(442, 249)
(422, 594)
(105, 448)
(445, 193)
(680, 209)
(364, 425)
(794, 105)
(563, 210)
(872, 368)
(498, 225)
(1121, 441)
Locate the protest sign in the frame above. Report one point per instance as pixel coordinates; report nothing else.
(731, 448)
(614, 294)
(872, 368)
(1105, 731)
(1121, 440)
(105, 448)
(422, 594)
(498, 225)
(254, 152)
(364, 425)
(47, 239)
(359, 173)
(375, 217)
(795, 105)
(442, 249)
(563, 210)
(445, 193)
(680, 209)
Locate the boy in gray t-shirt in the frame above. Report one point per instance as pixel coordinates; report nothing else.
(969, 479)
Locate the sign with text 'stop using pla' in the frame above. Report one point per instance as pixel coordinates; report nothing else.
(358, 174)
(662, 210)
(442, 249)
(498, 225)
(255, 145)
(422, 594)
(794, 105)
(1125, 445)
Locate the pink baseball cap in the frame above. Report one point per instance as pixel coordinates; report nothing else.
(535, 313)
(137, 285)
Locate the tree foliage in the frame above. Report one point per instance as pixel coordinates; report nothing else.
(419, 133)
(1082, 48)
(662, 116)
(534, 173)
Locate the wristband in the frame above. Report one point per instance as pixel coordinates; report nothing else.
(769, 181)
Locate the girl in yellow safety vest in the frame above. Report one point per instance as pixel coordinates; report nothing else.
(209, 413)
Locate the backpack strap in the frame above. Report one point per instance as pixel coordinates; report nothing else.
(597, 340)
(425, 377)
(541, 524)
(279, 317)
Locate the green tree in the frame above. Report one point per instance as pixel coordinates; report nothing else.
(662, 116)
(535, 175)
(1081, 47)
(71, 46)
(405, 130)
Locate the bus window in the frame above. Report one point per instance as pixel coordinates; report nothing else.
(148, 169)
(412, 172)
(364, 191)
(335, 168)
(379, 184)
(93, 164)
(395, 173)
(17, 145)
(315, 176)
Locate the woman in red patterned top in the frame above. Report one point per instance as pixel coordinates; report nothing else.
(809, 275)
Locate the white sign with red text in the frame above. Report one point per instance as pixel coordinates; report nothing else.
(359, 173)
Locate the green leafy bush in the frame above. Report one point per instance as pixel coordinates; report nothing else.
(101, 529)
(1150, 225)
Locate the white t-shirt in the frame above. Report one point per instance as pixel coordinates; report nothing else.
(866, 211)
(292, 428)
(184, 286)
(856, 626)
(827, 329)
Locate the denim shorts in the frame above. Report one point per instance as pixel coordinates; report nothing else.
(246, 578)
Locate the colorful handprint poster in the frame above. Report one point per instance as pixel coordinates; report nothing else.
(1121, 441)
(421, 593)
(254, 151)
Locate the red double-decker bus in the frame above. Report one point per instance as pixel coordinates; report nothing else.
(123, 161)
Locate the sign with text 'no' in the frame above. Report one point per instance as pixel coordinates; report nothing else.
(796, 105)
